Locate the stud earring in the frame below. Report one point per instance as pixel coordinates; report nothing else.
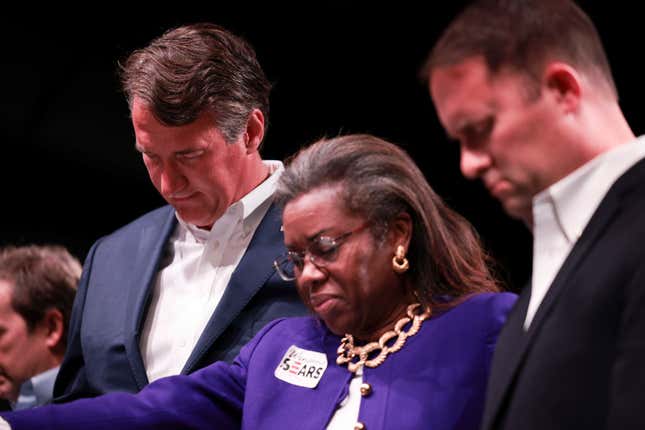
(400, 264)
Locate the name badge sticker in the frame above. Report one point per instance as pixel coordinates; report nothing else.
(301, 367)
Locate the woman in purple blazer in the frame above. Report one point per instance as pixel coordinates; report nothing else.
(406, 315)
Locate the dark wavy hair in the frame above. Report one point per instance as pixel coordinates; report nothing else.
(378, 181)
(194, 69)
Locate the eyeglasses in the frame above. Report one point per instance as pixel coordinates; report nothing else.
(322, 250)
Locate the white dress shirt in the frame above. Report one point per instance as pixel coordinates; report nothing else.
(562, 211)
(193, 277)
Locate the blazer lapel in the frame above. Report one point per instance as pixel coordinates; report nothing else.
(594, 229)
(251, 273)
(151, 246)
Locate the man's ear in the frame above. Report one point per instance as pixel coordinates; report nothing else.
(52, 327)
(254, 132)
(564, 83)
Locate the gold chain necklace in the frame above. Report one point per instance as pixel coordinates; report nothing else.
(347, 352)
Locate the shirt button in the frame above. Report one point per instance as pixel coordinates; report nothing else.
(359, 426)
(366, 389)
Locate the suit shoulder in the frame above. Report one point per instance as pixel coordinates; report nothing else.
(292, 328)
(280, 333)
(158, 223)
(492, 303)
(488, 311)
(157, 217)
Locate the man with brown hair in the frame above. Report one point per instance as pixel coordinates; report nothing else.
(191, 282)
(526, 89)
(37, 288)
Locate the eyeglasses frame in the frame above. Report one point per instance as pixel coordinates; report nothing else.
(335, 241)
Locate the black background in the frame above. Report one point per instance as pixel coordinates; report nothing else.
(69, 170)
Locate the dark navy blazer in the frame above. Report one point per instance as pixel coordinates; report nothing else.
(115, 290)
(436, 381)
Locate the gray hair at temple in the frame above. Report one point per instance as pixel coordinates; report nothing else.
(194, 69)
(378, 181)
(42, 277)
(524, 35)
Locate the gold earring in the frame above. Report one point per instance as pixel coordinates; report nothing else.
(400, 264)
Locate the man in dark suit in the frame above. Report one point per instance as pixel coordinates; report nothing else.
(189, 283)
(526, 89)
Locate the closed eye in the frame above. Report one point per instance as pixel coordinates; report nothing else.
(191, 155)
(323, 246)
(297, 258)
(150, 157)
(475, 133)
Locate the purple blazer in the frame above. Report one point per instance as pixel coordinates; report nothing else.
(437, 380)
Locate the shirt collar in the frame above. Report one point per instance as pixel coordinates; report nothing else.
(37, 391)
(44, 385)
(577, 196)
(264, 191)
